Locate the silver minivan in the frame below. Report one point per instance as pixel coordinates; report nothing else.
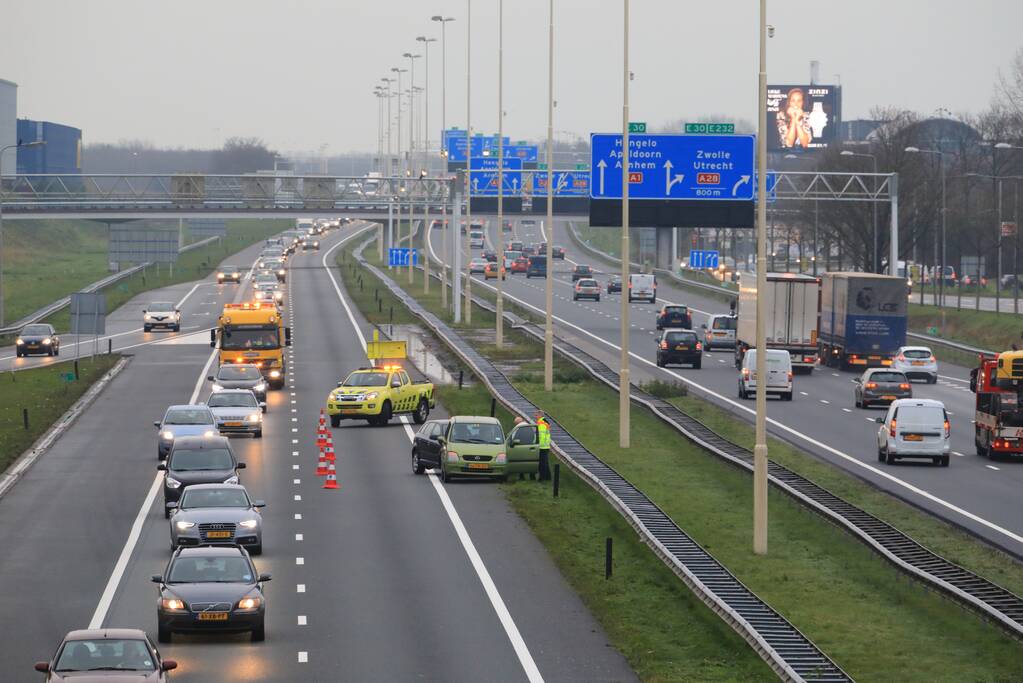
(914, 428)
(779, 374)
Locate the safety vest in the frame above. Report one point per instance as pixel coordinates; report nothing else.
(544, 432)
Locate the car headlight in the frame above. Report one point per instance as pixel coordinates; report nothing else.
(370, 396)
(249, 603)
(19, 341)
(209, 432)
(173, 604)
(216, 387)
(147, 317)
(184, 525)
(47, 341)
(220, 276)
(501, 458)
(274, 374)
(167, 435)
(255, 417)
(280, 272)
(248, 523)
(233, 479)
(260, 387)
(172, 483)
(234, 274)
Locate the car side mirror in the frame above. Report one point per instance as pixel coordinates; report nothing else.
(435, 437)
(441, 439)
(169, 665)
(240, 466)
(171, 506)
(44, 667)
(209, 378)
(213, 338)
(516, 442)
(162, 467)
(144, 311)
(156, 578)
(262, 404)
(879, 420)
(156, 423)
(395, 385)
(259, 503)
(265, 577)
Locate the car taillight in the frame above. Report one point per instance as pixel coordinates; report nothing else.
(452, 456)
(948, 429)
(699, 347)
(790, 375)
(904, 386)
(664, 344)
(891, 429)
(900, 358)
(745, 373)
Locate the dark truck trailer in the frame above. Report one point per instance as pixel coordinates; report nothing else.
(863, 319)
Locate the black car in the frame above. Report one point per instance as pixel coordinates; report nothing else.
(558, 252)
(679, 347)
(240, 376)
(507, 227)
(211, 589)
(229, 274)
(426, 448)
(197, 460)
(38, 338)
(614, 284)
(580, 272)
(529, 250)
(490, 255)
(675, 316)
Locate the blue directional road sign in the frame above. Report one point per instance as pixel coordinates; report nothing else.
(566, 183)
(482, 145)
(528, 153)
(715, 167)
(703, 258)
(398, 256)
(483, 176)
(772, 186)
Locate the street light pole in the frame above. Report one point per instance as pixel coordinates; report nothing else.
(944, 215)
(411, 151)
(875, 261)
(36, 143)
(444, 126)
(499, 331)
(760, 446)
(624, 388)
(426, 159)
(468, 161)
(548, 331)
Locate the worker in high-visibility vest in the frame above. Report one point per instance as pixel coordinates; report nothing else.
(543, 430)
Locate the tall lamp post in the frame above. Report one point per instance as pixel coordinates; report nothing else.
(788, 233)
(36, 143)
(548, 331)
(499, 323)
(624, 389)
(1015, 257)
(411, 150)
(893, 268)
(468, 161)
(760, 441)
(426, 155)
(944, 215)
(443, 126)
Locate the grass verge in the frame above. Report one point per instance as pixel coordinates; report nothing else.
(47, 395)
(857, 608)
(983, 329)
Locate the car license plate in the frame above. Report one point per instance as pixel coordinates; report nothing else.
(720, 334)
(681, 348)
(212, 616)
(218, 534)
(918, 362)
(888, 398)
(478, 466)
(232, 424)
(912, 437)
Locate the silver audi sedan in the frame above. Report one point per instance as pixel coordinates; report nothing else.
(217, 514)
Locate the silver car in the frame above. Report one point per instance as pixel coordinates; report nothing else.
(917, 362)
(239, 376)
(183, 420)
(237, 412)
(210, 514)
(719, 332)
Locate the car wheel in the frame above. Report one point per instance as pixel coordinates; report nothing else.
(147, 328)
(385, 414)
(932, 380)
(742, 394)
(787, 397)
(335, 420)
(256, 549)
(880, 455)
(698, 364)
(417, 464)
(422, 412)
(889, 458)
(598, 299)
(49, 352)
(259, 633)
(444, 476)
(258, 434)
(660, 363)
(858, 403)
(18, 353)
(56, 351)
(163, 634)
(944, 461)
(176, 328)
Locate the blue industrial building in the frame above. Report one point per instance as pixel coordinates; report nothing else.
(62, 153)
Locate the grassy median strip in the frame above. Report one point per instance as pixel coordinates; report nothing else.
(872, 619)
(47, 393)
(983, 329)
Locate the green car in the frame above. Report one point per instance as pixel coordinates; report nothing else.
(472, 446)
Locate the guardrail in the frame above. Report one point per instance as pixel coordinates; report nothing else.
(60, 304)
(791, 655)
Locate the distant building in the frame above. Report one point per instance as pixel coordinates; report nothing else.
(62, 153)
(857, 130)
(8, 124)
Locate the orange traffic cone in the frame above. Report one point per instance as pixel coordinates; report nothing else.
(323, 418)
(331, 482)
(321, 436)
(328, 452)
(321, 468)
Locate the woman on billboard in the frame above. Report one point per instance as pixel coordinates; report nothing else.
(793, 121)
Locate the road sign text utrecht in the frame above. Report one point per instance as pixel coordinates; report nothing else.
(715, 167)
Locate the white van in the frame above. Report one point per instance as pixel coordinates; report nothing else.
(476, 239)
(779, 374)
(642, 287)
(914, 428)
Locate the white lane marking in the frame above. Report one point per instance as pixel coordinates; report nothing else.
(299, 560)
(848, 410)
(298, 515)
(295, 466)
(295, 453)
(801, 393)
(825, 402)
(794, 432)
(294, 429)
(991, 467)
(298, 497)
(510, 629)
(299, 537)
(300, 588)
(302, 621)
(958, 453)
(294, 419)
(296, 481)
(303, 657)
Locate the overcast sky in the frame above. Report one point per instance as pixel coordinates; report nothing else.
(299, 73)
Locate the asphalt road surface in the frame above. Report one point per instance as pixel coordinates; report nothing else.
(975, 493)
(392, 577)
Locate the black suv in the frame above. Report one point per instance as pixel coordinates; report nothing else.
(211, 588)
(679, 347)
(197, 460)
(675, 316)
(580, 272)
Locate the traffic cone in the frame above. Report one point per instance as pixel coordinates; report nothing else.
(321, 436)
(321, 468)
(323, 418)
(331, 482)
(328, 452)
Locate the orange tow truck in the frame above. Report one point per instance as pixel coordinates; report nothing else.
(253, 333)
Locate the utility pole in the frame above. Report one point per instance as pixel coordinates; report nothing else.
(468, 158)
(548, 331)
(444, 126)
(760, 447)
(625, 389)
(499, 331)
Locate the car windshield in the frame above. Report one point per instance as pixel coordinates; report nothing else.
(585, 282)
(582, 269)
(476, 432)
(236, 340)
(105, 654)
(674, 309)
(210, 570)
(724, 323)
(35, 330)
(680, 338)
(161, 306)
(366, 379)
(188, 416)
(238, 372)
(917, 353)
(229, 269)
(214, 498)
(201, 459)
(887, 377)
(232, 400)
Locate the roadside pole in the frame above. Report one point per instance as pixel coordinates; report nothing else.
(760, 447)
(456, 250)
(468, 160)
(499, 329)
(548, 329)
(624, 389)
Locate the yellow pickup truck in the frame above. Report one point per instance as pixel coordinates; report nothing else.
(377, 393)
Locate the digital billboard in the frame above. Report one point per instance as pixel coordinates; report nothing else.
(802, 116)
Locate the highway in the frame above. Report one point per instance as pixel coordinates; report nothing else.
(392, 577)
(975, 493)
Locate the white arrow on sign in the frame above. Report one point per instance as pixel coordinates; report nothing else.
(475, 184)
(741, 181)
(670, 182)
(515, 184)
(562, 182)
(601, 165)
